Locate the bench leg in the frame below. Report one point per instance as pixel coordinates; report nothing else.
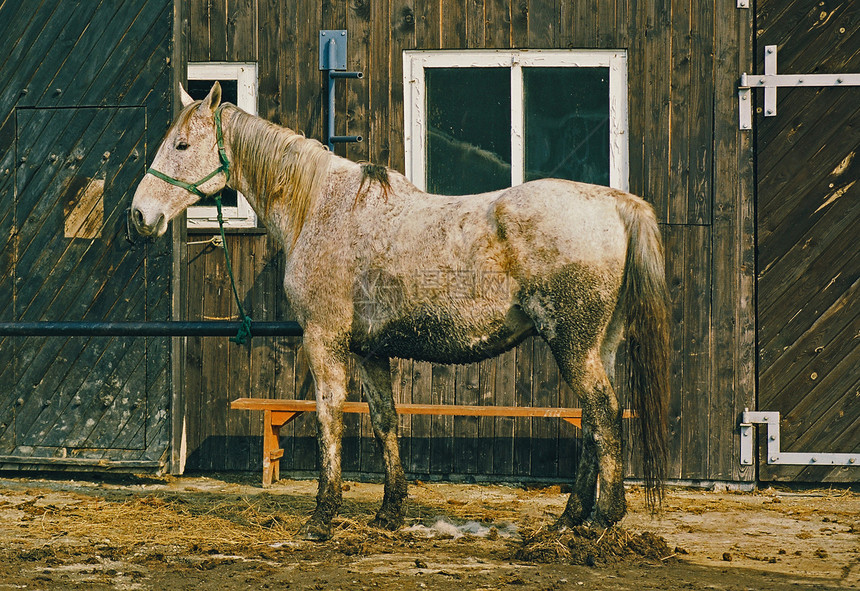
(272, 452)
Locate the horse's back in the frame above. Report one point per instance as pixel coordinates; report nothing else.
(550, 223)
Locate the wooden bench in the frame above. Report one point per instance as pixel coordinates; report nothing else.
(277, 413)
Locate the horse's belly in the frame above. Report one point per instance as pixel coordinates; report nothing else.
(443, 336)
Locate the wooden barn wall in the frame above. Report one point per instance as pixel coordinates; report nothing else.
(86, 94)
(687, 157)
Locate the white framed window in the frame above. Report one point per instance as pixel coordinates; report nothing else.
(480, 120)
(238, 86)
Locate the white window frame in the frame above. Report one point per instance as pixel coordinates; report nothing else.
(414, 109)
(245, 75)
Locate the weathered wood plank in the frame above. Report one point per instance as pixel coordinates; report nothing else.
(401, 383)
(520, 11)
(237, 445)
(779, 368)
(523, 395)
(637, 106)
(362, 454)
(543, 23)
(73, 42)
(545, 385)
(475, 24)
(442, 433)
(34, 42)
(215, 383)
(402, 25)
(428, 27)
(656, 101)
(17, 17)
(699, 100)
(486, 425)
(696, 353)
(198, 35)
(241, 30)
(111, 80)
(504, 393)
(422, 427)
(380, 81)
(276, 41)
(812, 285)
(466, 392)
(218, 30)
(679, 118)
(452, 24)
(677, 280)
(497, 32)
(818, 39)
(794, 138)
(612, 24)
(734, 219)
(366, 36)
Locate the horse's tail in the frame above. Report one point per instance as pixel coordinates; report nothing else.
(644, 300)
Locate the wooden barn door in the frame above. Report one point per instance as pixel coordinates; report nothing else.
(808, 238)
(86, 95)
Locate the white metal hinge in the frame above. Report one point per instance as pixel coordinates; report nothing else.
(743, 3)
(774, 455)
(770, 81)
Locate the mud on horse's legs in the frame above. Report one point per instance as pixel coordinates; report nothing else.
(376, 377)
(329, 372)
(580, 503)
(601, 457)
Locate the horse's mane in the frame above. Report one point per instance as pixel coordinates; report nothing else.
(284, 166)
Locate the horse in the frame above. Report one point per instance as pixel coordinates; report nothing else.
(375, 267)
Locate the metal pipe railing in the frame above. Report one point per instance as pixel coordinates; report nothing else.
(146, 329)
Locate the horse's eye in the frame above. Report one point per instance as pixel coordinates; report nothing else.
(181, 145)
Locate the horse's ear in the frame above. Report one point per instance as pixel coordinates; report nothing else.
(213, 99)
(184, 96)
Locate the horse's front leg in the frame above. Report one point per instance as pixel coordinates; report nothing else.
(328, 368)
(376, 376)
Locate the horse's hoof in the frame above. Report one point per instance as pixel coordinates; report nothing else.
(599, 520)
(387, 522)
(565, 522)
(315, 531)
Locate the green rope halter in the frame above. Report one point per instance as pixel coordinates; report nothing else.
(245, 328)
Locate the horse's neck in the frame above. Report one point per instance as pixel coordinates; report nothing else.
(276, 203)
(240, 180)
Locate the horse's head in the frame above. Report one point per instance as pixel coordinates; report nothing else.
(187, 166)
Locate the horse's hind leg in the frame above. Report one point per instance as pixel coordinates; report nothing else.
(580, 503)
(601, 457)
(376, 377)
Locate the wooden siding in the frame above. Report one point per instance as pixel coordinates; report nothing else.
(87, 90)
(687, 157)
(808, 220)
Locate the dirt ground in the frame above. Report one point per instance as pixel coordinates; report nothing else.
(226, 532)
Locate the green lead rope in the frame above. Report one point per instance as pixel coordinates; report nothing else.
(245, 328)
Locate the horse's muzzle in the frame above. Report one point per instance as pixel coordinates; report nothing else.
(148, 225)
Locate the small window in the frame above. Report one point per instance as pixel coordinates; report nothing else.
(482, 120)
(238, 86)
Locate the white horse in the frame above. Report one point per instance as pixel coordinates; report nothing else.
(378, 269)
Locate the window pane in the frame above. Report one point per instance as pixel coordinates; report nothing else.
(468, 129)
(567, 124)
(198, 89)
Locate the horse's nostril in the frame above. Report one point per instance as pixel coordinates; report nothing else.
(137, 216)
